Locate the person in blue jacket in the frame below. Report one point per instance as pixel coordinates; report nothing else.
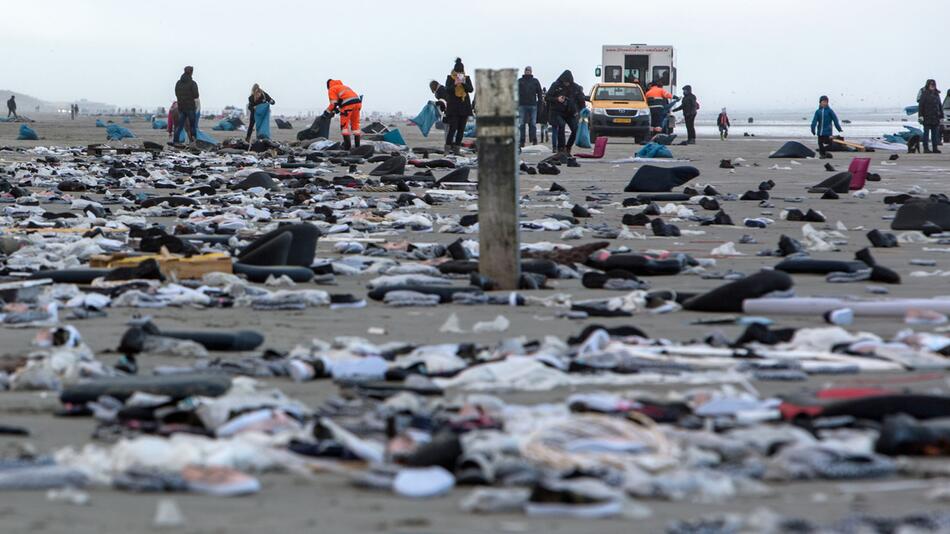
(821, 125)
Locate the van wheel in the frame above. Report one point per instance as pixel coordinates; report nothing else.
(946, 137)
(593, 134)
(639, 139)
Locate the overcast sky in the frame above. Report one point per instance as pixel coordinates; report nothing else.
(745, 54)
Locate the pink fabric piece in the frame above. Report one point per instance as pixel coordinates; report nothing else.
(859, 172)
(600, 147)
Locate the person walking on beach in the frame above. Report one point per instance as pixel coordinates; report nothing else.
(690, 106)
(930, 112)
(11, 107)
(723, 123)
(565, 100)
(348, 104)
(458, 106)
(821, 125)
(529, 100)
(258, 96)
(189, 105)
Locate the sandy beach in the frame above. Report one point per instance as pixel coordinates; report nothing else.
(329, 503)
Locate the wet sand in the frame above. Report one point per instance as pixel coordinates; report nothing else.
(328, 504)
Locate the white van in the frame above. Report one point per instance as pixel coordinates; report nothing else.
(638, 63)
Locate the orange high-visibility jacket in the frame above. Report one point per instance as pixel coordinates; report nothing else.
(340, 95)
(658, 92)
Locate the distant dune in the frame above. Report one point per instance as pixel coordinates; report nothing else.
(27, 104)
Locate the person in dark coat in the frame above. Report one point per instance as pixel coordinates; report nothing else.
(930, 112)
(458, 106)
(257, 96)
(565, 101)
(11, 107)
(189, 105)
(529, 100)
(690, 108)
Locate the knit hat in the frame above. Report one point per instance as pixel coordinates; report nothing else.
(459, 67)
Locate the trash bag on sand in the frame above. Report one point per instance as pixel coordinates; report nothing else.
(426, 118)
(200, 136)
(653, 179)
(224, 126)
(319, 128)
(114, 132)
(394, 137)
(159, 124)
(27, 134)
(793, 149)
(654, 150)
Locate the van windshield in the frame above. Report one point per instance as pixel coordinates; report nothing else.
(621, 93)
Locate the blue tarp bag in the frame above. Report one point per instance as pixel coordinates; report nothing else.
(262, 120)
(202, 136)
(654, 150)
(27, 134)
(426, 118)
(583, 130)
(183, 136)
(394, 137)
(114, 132)
(199, 135)
(159, 124)
(470, 129)
(224, 126)
(126, 120)
(100, 124)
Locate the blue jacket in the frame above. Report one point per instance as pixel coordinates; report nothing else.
(824, 117)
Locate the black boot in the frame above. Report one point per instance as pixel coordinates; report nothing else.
(356, 141)
(346, 142)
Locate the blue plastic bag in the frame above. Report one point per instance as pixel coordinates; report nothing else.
(126, 120)
(100, 124)
(183, 136)
(202, 136)
(262, 120)
(654, 150)
(426, 118)
(114, 132)
(394, 137)
(159, 124)
(583, 131)
(27, 134)
(470, 129)
(224, 126)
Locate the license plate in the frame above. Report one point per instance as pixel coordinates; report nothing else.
(623, 121)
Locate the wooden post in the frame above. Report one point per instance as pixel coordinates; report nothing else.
(499, 248)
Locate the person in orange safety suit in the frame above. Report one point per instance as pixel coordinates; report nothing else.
(657, 98)
(348, 104)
